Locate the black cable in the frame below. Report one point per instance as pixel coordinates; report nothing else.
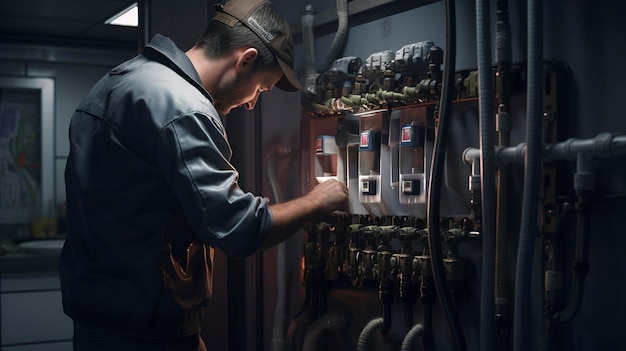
(436, 177)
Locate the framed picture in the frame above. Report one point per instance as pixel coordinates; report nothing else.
(26, 149)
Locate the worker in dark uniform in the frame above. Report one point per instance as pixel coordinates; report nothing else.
(151, 191)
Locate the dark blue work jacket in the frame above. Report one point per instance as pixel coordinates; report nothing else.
(150, 192)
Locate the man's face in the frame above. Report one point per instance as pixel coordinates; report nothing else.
(244, 90)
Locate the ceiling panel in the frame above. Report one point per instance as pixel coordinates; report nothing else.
(80, 21)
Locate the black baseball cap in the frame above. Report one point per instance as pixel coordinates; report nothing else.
(280, 44)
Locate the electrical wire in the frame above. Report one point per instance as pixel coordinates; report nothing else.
(436, 177)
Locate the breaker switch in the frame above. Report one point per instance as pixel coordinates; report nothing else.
(411, 187)
(368, 187)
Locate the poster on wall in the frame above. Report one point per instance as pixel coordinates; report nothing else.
(25, 150)
(20, 157)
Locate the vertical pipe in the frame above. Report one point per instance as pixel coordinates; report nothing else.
(341, 36)
(143, 10)
(487, 167)
(503, 127)
(532, 179)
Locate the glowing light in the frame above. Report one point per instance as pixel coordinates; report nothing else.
(128, 17)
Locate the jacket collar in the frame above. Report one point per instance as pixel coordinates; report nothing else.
(162, 49)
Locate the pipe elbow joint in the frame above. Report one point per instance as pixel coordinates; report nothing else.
(470, 155)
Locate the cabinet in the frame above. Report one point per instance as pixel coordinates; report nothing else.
(32, 317)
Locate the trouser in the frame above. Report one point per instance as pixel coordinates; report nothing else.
(90, 338)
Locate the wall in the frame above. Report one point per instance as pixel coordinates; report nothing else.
(582, 34)
(74, 72)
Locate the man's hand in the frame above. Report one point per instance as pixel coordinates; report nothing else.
(288, 217)
(329, 196)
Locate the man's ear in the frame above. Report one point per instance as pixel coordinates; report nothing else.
(246, 59)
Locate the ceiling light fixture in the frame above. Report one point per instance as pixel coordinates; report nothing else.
(128, 17)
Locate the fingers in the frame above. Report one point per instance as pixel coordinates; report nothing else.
(334, 195)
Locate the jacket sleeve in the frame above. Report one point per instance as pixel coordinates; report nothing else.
(193, 154)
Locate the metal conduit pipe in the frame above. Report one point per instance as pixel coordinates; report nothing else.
(504, 126)
(308, 41)
(532, 178)
(487, 167)
(409, 339)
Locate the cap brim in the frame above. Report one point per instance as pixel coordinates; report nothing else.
(288, 82)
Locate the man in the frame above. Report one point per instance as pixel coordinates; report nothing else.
(150, 190)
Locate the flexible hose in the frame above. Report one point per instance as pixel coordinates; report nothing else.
(341, 37)
(532, 179)
(436, 177)
(367, 332)
(487, 165)
(409, 339)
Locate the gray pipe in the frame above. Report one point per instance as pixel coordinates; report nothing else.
(532, 178)
(145, 30)
(341, 36)
(366, 334)
(409, 339)
(604, 145)
(308, 41)
(504, 126)
(487, 167)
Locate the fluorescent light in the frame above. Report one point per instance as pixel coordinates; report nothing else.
(128, 17)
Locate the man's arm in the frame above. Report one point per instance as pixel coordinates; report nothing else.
(290, 216)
